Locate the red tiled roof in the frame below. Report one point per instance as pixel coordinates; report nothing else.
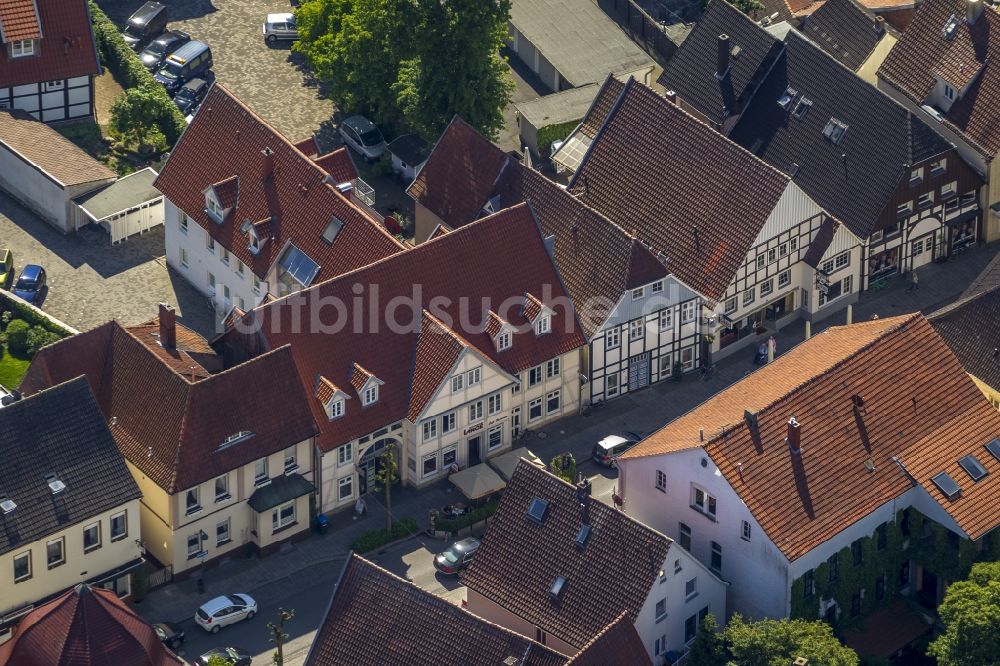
(66, 49)
(618, 644)
(531, 307)
(376, 618)
(494, 324)
(86, 625)
(924, 51)
(438, 349)
(339, 165)
(308, 147)
(226, 141)
(325, 389)
(692, 220)
(484, 264)
(18, 20)
(227, 191)
(359, 377)
(919, 408)
(457, 178)
(502, 573)
(169, 423)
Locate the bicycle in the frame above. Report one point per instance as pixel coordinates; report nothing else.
(708, 371)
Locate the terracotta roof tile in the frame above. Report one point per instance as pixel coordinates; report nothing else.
(924, 51)
(378, 619)
(325, 389)
(482, 253)
(228, 191)
(86, 625)
(359, 377)
(308, 147)
(458, 176)
(18, 20)
(67, 46)
(339, 165)
(173, 433)
(438, 349)
(294, 196)
(690, 220)
(846, 30)
(494, 324)
(804, 499)
(588, 603)
(531, 307)
(618, 644)
(49, 150)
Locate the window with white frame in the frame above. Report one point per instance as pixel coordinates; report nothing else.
(702, 501)
(715, 563)
(182, 222)
(193, 544)
(939, 167)
(656, 287)
(611, 386)
(784, 278)
(213, 207)
(494, 404)
(91, 537)
(336, 409)
(209, 243)
(638, 293)
(745, 530)
(256, 285)
(291, 461)
(766, 287)
(543, 325)
(476, 411)
(783, 249)
(225, 256)
(661, 481)
(661, 609)
(22, 48)
(371, 395)
(22, 567)
(211, 282)
(535, 409)
(283, 516)
(917, 247)
(748, 297)
(260, 474)
(635, 330)
(119, 526)
(613, 338)
(222, 533)
(905, 209)
(793, 244)
(687, 312)
(761, 261)
(552, 368)
(494, 437)
(345, 454)
(660, 645)
(192, 504)
(503, 340)
(666, 319)
(449, 457)
(430, 465)
(55, 552)
(240, 266)
(926, 200)
(457, 383)
(345, 487)
(732, 305)
(534, 376)
(448, 422)
(473, 376)
(429, 429)
(516, 386)
(691, 588)
(916, 176)
(222, 488)
(687, 358)
(553, 402)
(949, 190)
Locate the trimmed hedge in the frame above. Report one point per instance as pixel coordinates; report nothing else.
(17, 336)
(21, 311)
(550, 133)
(471, 518)
(377, 538)
(128, 70)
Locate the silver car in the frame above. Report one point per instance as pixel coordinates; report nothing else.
(280, 26)
(363, 136)
(225, 610)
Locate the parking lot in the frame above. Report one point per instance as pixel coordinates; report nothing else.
(267, 79)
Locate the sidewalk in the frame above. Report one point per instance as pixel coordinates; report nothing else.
(643, 412)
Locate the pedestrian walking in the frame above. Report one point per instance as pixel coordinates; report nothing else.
(772, 348)
(914, 281)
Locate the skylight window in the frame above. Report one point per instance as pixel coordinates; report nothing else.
(802, 108)
(582, 535)
(557, 587)
(946, 485)
(973, 467)
(835, 131)
(538, 509)
(332, 229)
(296, 264)
(55, 485)
(994, 448)
(786, 100)
(7, 504)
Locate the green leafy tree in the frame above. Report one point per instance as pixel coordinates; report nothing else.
(779, 642)
(279, 635)
(134, 120)
(971, 615)
(388, 475)
(218, 660)
(709, 646)
(748, 7)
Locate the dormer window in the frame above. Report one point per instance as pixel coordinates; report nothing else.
(213, 207)
(949, 92)
(335, 409)
(543, 324)
(366, 384)
(254, 241)
(370, 396)
(503, 340)
(331, 397)
(22, 48)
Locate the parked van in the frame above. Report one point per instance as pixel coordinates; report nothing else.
(145, 25)
(188, 62)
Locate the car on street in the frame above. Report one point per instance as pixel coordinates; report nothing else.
(6, 268)
(169, 634)
(157, 51)
(363, 136)
(235, 656)
(31, 284)
(608, 449)
(225, 610)
(191, 61)
(190, 95)
(457, 556)
(146, 23)
(8, 397)
(280, 27)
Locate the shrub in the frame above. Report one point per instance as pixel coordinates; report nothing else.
(471, 518)
(38, 337)
(376, 538)
(17, 336)
(550, 133)
(29, 314)
(564, 466)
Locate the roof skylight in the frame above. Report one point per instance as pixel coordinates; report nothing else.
(946, 485)
(994, 448)
(538, 509)
(973, 467)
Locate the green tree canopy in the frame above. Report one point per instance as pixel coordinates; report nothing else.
(971, 615)
(417, 62)
(709, 646)
(779, 642)
(136, 117)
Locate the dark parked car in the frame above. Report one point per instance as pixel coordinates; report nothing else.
(169, 634)
(236, 656)
(608, 449)
(191, 61)
(190, 95)
(458, 556)
(146, 23)
(158, 50)
(31, 284)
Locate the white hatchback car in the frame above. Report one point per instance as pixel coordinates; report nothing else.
(225, 610)
(280, 26)
(363, 136)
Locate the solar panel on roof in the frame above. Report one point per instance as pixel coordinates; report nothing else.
(537, 510)
(994, 448)
(946, 485)
(974, 468)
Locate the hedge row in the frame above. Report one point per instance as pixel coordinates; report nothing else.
(377, 538)
(129, 72)
(550, 133)
(471, 518)
(33, 317)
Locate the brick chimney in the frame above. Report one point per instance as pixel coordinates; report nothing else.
(672, 96)
(973, 10)
(168, 326)
(267, 168)
(794, 438)
(722, 65)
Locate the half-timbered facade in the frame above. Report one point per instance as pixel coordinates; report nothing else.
(48, 59)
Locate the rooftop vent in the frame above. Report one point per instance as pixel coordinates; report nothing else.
(785, 101)
(946, 485)
(869, 465)
(973, 467)
(582, 536)
(994, 448)
(858, 401)
(6, 504)
(538, 509)
(55, 485)
(950, 27)
(835, 131)
(557, 587)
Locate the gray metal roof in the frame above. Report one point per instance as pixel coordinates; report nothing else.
(60, 432)
(560, 107)
(281, 489)
(578, 38)
(128, 192)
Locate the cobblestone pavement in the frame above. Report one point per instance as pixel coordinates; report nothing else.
(267, 79)
(90, 281)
